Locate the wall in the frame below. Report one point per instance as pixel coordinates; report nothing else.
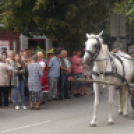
(11, 37)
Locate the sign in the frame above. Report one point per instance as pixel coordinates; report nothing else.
(24, 42)
(4, 45)
(118, 25)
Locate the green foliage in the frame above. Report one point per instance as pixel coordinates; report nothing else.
(125, 7)
(66, 20)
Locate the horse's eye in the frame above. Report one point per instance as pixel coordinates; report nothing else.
(95, 45)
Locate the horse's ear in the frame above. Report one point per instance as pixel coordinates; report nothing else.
(87, 35)
(101, 33)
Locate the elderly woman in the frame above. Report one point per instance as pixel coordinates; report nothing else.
(35, 89)
(5, 71)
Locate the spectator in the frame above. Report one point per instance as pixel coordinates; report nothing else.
(4, 55)
(65, 71)
(5, 71)
(26, 58)
(44, 78)
(114, 51)
(77, 71)
(53, 74)
(35, 89)
(30, 52)
(10, 62)
(19, 84)
(4, 50)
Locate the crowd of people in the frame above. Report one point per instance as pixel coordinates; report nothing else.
(40, 77)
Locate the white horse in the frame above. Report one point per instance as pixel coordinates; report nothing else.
(107, 67)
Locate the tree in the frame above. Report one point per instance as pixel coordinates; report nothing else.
(126, 7)
(66, 20)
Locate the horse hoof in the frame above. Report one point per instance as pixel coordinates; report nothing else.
(110, 122)
(125, 115)
(120, 112)
(93, 124)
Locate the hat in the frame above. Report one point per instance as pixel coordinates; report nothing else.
(51, 51)
(57, 52)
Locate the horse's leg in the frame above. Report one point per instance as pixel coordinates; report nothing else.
(96, 104)
(120, 110)
(125, 110)
(111, 93)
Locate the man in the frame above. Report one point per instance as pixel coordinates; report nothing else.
(53, 75)
(65, 70)
(114, 51)
(4, 50)
(77, 71)
(5, 71)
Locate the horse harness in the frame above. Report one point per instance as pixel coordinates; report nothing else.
(114, 68)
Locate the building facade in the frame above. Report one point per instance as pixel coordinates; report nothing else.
(16, 41)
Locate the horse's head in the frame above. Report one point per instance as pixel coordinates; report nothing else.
(92, 48)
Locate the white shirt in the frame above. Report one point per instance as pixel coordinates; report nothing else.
(42, 64)
(22, 58)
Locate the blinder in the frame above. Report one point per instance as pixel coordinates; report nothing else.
(97, 50)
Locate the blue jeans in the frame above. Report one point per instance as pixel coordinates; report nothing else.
(77, 84)
(64, 84)
(21, 89)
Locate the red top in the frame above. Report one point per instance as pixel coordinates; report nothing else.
(76, 68)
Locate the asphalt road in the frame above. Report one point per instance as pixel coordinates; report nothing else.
(66, 117)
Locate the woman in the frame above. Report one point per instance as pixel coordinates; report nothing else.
(43, 79)
(19, 81)
(5, 72)
(35, 89)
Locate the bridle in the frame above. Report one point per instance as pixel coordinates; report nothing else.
(97, 50)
